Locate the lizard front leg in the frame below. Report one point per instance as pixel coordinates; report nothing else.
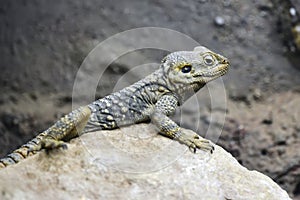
(167, 127)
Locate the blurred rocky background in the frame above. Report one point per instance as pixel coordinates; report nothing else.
(43, 43)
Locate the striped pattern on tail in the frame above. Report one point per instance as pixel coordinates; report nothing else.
(64, 129)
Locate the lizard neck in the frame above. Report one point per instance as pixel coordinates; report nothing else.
(181, 90)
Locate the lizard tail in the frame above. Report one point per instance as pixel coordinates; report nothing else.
(64, 129)
(22, 152)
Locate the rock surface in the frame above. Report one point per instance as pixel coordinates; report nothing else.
(134, 163)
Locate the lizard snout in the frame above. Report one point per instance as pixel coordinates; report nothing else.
(225, 61)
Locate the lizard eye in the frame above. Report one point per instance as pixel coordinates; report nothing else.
(186, 68)
(209, 60)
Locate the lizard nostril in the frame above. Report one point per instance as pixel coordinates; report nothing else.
(225, 61)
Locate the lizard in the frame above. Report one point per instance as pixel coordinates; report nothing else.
(154, 98)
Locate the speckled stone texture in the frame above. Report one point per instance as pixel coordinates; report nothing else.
(134, 163)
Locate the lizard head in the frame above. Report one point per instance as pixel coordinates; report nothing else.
(193, 69)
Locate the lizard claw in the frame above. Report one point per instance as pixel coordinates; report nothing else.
(195, 142)
(64, 146)
(48, 144)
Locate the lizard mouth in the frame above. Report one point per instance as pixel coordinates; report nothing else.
(215, 72)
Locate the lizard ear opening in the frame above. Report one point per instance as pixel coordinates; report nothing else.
(186, 68)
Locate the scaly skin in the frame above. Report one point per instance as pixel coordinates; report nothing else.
(155, 97)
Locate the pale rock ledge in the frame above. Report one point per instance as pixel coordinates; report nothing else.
(134, 163)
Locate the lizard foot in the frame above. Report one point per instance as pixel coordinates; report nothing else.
(194, 142)
(48, 144)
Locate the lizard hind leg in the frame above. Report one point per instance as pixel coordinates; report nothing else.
(68, 127)
(64, 129)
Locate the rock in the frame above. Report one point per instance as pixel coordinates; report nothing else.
(134, 163)
(219, 21)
